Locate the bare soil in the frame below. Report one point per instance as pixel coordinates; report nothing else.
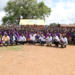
(38, 60)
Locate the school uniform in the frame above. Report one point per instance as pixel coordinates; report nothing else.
(37, 38)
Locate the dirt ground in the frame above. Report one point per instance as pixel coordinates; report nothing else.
(37, 60)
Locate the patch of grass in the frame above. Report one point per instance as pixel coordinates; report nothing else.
(16, 48)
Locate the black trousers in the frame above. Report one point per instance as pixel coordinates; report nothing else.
(56, 43)
(43, 42)
(13, 42)
(6, 43)
(22, 42)
(32, 42)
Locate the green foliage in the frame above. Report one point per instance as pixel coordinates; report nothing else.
(53, 24)
(28, 9)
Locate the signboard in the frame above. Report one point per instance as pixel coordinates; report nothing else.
(31, 22)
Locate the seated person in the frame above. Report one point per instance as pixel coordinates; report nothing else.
(22, 39)
(6, 39)
(56, 40)
(42, 39)
(73, 39)
(37, 37)
(63, 41)
(49, 40)
(32, 39)
(13, 38)
(0, 39)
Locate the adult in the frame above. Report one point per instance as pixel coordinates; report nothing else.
(13, 39)
(32, 38)
(63, 41)
(22, 39)
(49, 40)
(6, 39)
(56, 40)
(42, 39)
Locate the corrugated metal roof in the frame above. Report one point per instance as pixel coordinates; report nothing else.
(64, 25)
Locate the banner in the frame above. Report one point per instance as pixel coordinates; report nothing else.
(31, 22)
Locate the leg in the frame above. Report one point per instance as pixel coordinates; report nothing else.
(47, 42)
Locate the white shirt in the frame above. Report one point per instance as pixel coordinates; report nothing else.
(13, 38)
(42, 38)
(22, 38)
(64, 40)
(35, 34)
(56, 38)
(32, 37)
(49, 38)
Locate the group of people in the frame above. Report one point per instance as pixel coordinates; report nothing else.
(33, 35)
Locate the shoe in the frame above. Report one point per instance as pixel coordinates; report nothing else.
(65, 46)
(50, 45)
(61, 46)
(47, 45)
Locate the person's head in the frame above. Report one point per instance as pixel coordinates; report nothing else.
(6, 35)
(54, 35)
(37, 33)
(64, 36)
(42, 35)
(32, 34)
(13, 33)
(0, 33)
(22, 34)
(49, 35)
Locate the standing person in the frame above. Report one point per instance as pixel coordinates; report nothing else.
(63, 41)
(6, 39)
(22, 39)
(58, 25)
(13, 38)
(73, 38)
(70, 37)
(42, 39)
(56, 40)
(49, 40)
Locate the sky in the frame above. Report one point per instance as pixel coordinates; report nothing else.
(63, 11)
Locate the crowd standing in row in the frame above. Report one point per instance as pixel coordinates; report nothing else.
(34, 34)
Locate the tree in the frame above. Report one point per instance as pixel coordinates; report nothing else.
(53, 24)
(28, 9)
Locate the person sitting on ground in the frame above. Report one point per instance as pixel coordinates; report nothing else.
(73, 39)
(56, 40)
(49, 40)
(22, 39)
(32, 39)
(6, 39)
(42, 39)
(13, 38)
(0, 39)
(63, 41)
(37, 37)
